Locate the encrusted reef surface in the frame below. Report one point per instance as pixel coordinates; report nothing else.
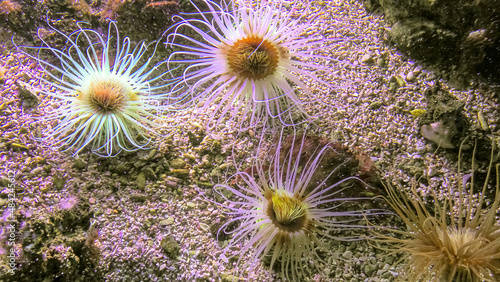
(138, 19)
(459, 38)
(57, 246)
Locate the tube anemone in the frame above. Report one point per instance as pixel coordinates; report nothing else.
(243, 60)
(282, 214)
(107, 97)
(459, 241)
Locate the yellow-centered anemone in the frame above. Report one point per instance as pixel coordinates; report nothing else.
(286, 212)
(283, 215)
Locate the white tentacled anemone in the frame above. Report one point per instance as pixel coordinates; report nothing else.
(244, 60)
(281, 213)
(108, 99)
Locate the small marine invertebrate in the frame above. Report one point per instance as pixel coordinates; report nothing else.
(8, 6)
(68, 202)
(245, 60)
(458, 241)
(283, 215)
(108, 99)
(110, 10)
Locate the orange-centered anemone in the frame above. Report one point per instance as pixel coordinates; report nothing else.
(247, 62)
(107, 95)
(253, 58)
(107, 98)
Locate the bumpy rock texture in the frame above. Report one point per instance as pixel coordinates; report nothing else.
(139, 19)
(57, 247)
(459, 39)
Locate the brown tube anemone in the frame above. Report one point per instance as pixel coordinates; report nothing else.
(458, 241)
